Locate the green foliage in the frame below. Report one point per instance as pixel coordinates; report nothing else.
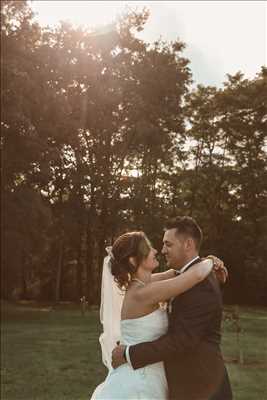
(228, 127)
(102, 133)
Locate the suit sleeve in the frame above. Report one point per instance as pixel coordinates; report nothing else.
(198, 305)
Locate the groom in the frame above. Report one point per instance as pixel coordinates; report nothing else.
(191, 349)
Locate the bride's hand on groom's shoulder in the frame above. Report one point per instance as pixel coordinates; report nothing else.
(118, 356)
(219, 269)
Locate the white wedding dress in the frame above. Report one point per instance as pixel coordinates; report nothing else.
(148, 383)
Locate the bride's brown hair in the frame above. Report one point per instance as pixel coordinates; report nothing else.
(130, 244)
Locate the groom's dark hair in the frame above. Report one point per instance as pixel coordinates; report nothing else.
(186, 226)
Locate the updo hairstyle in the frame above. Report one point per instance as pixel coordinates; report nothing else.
(130, 244)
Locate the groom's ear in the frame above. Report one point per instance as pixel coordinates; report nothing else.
(189, 243)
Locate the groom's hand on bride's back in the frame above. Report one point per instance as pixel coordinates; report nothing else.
(118, 356)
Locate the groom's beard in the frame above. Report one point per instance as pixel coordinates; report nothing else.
(176, 265)
(174, 262)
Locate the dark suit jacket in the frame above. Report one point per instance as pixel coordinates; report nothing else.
(191, 348)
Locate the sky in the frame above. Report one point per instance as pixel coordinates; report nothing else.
(222, 37)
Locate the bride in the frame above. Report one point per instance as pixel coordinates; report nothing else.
(132, 311)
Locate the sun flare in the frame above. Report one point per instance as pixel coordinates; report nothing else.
(85, 13)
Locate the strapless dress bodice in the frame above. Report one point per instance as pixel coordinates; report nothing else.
(144, 329)
(125, 383)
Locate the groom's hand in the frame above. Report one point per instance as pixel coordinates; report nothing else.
(118, 357)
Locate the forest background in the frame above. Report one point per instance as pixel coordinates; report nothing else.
(104, 133)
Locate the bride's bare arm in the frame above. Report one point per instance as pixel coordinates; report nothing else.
(219, 270)
(163, 290)
(161, 276)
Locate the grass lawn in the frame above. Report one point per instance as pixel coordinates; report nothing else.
(55, 355)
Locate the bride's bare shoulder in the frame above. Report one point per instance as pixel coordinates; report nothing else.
(133, 306)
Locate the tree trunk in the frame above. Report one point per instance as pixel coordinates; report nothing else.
(101, 251)
(23, 278)
(194, 187)
(79, 268)
(59, 270)
(89, 263)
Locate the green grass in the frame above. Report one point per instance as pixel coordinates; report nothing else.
(49, 354)
(55, 354)
(249, 381)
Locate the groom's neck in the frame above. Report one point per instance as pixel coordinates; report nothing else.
(187, 260)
